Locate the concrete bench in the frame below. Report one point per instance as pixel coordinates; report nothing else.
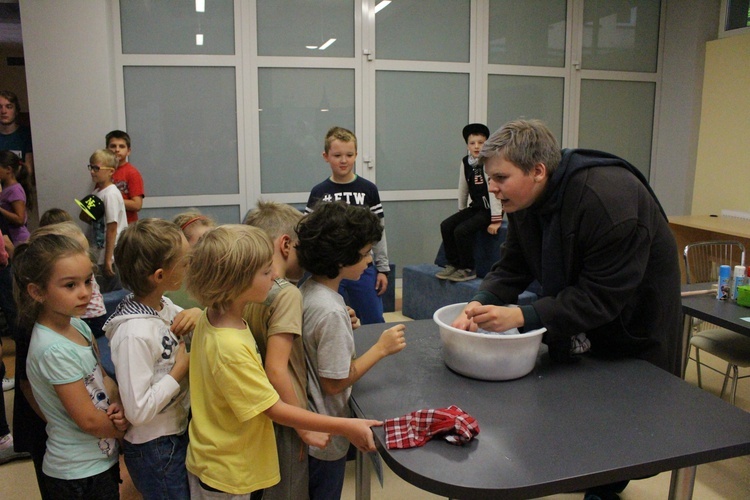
(423, 293)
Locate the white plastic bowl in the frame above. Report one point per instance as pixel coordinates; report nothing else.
(486, 356)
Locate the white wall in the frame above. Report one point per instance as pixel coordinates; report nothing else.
(72, 98)
(70, 85)
(689, 25)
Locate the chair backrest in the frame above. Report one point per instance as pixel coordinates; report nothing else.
(702, 259)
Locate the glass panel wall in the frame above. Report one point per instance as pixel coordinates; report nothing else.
(413, 236)
(419, 121)
(177, 27)
(527, 32)
(513, 97)
(621, 35)
(252, 124)
(437, 31)
(297, 107)
(617, 117)
(226, 214)
(323, 28)
(183, 126)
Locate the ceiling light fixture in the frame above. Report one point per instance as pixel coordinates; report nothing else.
(199, 39)
(200, 5)
(327, 44)
(382, 5)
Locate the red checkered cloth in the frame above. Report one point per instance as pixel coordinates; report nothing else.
(416, 428)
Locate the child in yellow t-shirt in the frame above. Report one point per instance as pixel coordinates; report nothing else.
(232, 446)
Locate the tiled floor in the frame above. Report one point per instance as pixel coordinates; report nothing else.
(728, 479)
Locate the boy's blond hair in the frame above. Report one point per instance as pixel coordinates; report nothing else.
(104, 156)
(340, 134)
(142, 248)
(276, 219)
(223, 263)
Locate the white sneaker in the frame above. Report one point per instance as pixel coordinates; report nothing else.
(9, 384)
(7, 453)
(6, 442)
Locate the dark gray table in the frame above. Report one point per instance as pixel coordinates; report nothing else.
(723, 313)
(561, 428)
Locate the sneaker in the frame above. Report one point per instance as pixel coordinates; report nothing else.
(8, 384)
(6, 442)
(9, 455)
(446, 272)
(462, 275)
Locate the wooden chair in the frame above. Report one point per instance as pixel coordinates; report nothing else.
(702, 262)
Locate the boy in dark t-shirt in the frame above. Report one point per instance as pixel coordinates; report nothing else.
(340, 152)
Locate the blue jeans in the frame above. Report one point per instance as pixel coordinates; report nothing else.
(157, 467)
(361, 296)
(326, 478)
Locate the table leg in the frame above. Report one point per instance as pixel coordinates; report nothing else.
(362, 478)
(687, 331)
(682, 483)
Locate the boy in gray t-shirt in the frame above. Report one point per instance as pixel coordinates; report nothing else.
(334, 244)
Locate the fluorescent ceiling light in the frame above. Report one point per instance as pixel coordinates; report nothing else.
(311, 47)
(327, 44)
(199, 39)
(200, 5)
(382, 5)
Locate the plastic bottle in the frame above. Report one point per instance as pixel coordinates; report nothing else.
(737, 280)
(725, 276)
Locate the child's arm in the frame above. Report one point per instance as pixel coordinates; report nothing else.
(17, 215)
(494, 227)
(356, 430)
(380, 257)
(278, 351)
(353, 316)
(109, 248)
(184, 322)
(116, 415)
(9, 247)
(390, 342)
(463, 188)
(134, 366)
(134, 204)
(77, 402)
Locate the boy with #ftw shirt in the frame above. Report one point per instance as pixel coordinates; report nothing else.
(340, 152)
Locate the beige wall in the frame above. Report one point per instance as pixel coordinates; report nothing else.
(722, 173)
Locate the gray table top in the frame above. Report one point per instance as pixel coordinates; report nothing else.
(561, 428)
(723, 313)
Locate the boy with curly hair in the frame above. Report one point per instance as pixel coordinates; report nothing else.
(335, 241)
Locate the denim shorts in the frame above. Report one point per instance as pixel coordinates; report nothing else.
(157, 467)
